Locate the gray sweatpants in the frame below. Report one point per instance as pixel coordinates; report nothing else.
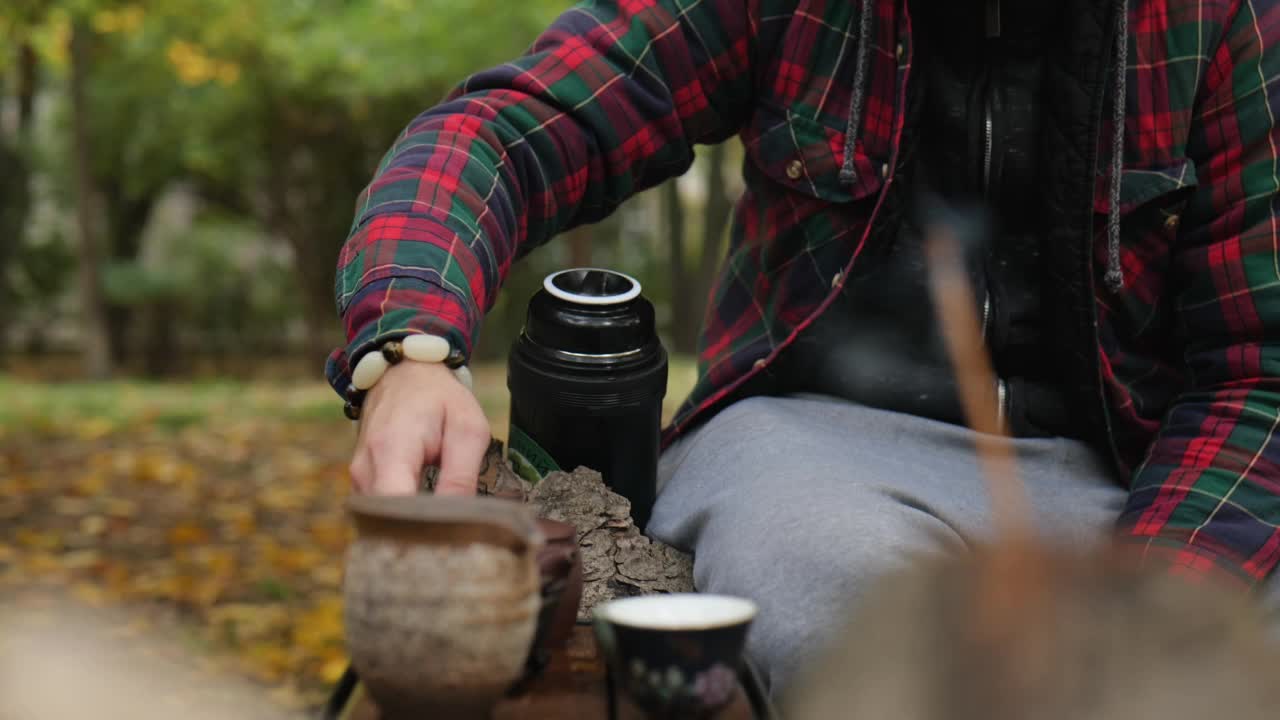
(800, 502)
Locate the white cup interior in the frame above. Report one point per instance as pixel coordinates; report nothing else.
(679, 611)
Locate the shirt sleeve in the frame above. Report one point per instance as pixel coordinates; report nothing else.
(609, 101)
(1207, 498)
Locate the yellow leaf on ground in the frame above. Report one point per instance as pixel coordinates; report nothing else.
(237, 520)
(81, 559)
(120, 508)
(268, 662)
(188, 534)
(330, 533)
(37, 540)
(320, 628)
(89, 594)
(248, 623)
(115, 577)
(283, 498)
(290, 560)
(70, 506)
(329, 576)
(93, 525)
(43, 565)
(332, 669)
(92, 484)
(11, 487)
(94, 428)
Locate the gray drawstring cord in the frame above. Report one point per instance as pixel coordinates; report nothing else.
(1115, 274)
(866, 19)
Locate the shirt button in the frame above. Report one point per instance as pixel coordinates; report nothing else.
(835, 281)
(1172, 221)
(901, 51)
(884, 170)
(759, 364)
(795, 169)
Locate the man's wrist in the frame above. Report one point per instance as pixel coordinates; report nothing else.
(420, 347)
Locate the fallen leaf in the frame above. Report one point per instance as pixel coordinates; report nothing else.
(70, 506)
(327, 575)
(91, 595)
(81, 559)
(37, 540)
(333, 668)
(93, 525)
(330, 534)
(94, 428)
(188, 534)
(120, 508)
(43, 565)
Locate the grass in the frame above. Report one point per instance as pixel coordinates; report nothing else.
(96, 408)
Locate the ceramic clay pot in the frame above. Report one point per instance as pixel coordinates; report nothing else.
(442, 596)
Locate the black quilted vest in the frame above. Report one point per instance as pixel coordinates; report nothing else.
(973, 155)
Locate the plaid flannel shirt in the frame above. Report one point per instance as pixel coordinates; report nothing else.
(613, 97)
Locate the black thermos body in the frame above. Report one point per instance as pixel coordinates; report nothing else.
(587, 376)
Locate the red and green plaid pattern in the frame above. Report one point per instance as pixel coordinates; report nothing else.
(615, 95)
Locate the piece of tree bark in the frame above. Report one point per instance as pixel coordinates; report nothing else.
(617, 561)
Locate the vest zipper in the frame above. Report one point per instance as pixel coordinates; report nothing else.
(1002, 401)
(988, 128)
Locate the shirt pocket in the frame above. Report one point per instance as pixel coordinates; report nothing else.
(1149, 195)
(802, 157)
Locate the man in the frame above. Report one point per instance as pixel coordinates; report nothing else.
(1130, 283)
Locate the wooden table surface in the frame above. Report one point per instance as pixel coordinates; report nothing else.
(573, 685)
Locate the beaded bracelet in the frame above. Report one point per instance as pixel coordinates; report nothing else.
(418, 348)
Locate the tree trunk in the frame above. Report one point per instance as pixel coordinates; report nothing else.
(26, 91)
(308, 202)
(94, 346)
(160, 354)
(684, 326)
(126, 220)
(579, 240)
(714, 224)
(14, 204)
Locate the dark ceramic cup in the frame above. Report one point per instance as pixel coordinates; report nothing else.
(675, 656)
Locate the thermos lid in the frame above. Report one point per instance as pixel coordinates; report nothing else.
(592, 286)
(591, 312)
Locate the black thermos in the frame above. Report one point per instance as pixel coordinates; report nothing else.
(587, 376)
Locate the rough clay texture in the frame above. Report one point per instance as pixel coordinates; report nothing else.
(617, 561)
(402, 599)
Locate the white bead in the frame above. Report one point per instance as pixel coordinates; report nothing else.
(464, 377)
(369, 370)
(425, 348)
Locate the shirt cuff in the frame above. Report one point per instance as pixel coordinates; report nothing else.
(393, 308)
(1185, 561)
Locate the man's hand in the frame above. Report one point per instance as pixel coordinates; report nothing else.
(419, 414)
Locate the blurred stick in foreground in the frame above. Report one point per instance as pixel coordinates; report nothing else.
(954, 301)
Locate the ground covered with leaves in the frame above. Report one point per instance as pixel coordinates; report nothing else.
(211, 512)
